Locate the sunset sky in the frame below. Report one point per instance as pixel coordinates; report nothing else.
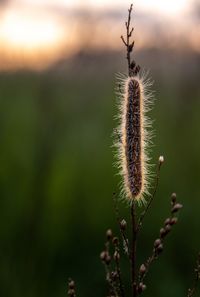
(166, 7)
(36, 33)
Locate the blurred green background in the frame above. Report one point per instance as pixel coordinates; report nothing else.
(57, 175)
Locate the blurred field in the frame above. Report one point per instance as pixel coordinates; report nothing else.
(57, 174)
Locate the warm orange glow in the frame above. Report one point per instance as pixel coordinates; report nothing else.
(30, 38)
(26, 31)
(169, 7)
(34, 33)
(166, 7)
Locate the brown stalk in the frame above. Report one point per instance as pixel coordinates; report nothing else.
(133, 250)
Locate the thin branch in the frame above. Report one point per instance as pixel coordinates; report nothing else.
(132, 68)
(131, 32)
(133, 249)
(122, 38)
(128, 39)
(148, 206)
(121, 228)
(117, 259)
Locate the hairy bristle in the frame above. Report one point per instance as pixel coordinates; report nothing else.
(133, 137)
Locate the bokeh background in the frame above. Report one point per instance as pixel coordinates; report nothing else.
(58, 60)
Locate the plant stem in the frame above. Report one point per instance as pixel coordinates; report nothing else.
(148, 206)
(120, 279)
(128, 39)
(129, 46)
(133, 250)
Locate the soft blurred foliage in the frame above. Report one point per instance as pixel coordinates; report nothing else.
(57, 175)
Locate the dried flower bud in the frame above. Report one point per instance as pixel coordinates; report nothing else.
(123, 225)
(168, 228)
(137, 69)
(71, 284)
(173, 221)
(162, 232)
(109, 234)
(130, 48)
(116, 256)
(144, 287)
(115, 240)
(142, 269)
(167, 221)
(176, 207)
(157, 242)
(71, 292)
(113, 275)
(141, 287)
(103, 255)
(173, 198)
(159, 248)
(132, 66)
(161, 160)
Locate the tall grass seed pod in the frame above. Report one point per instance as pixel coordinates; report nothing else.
(134, 136)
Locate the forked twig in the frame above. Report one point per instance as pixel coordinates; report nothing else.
(132, 68)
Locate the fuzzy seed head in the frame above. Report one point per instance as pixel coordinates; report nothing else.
(134, 138)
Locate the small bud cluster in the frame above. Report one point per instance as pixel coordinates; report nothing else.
(123, 227)
(71, 288)
(142, 272)
(105, 257)
(159, 242)
(111, 261)
(168, 224)
(141, 287)
(105, 254)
